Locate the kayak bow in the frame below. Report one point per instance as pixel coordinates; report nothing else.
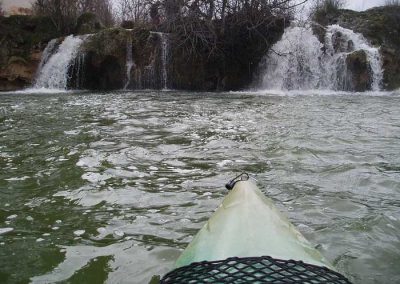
(248, 227)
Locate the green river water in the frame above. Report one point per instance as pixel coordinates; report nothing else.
(110, 187)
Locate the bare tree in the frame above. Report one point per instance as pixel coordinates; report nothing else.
(138, 10)
(202, 24)
(102, 8)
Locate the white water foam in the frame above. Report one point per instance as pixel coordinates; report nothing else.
(164, 58)
(299, 61)
(47, 52)
(54, 73)
(359, 43)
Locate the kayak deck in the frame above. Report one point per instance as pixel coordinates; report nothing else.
(253, 270)
(247, 224)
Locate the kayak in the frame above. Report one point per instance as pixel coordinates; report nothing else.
(248, 240)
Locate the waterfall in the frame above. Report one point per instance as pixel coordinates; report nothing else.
(164, 58)
(299, 61)
(47, 52)
(129, 61)
(54, 72)
(78, 71)
(357, 42)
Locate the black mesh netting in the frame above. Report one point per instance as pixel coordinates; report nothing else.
(263, 269)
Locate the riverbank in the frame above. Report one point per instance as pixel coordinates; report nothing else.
(143, 57)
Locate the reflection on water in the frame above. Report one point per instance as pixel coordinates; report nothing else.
(111, 187)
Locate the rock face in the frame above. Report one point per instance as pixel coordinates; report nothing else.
(381, 27)
(104, 60)
(159, 61)
(106, 53)
(22, 39)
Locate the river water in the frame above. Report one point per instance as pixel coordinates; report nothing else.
(112, 186)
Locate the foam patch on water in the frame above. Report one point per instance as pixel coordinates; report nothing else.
(96, 177)
(17, 178)
(294, 93)
(11, 217)
(87, 196)
(41, 91)
(92, 159)
(5, 230)
(72, 132)
(79, 233)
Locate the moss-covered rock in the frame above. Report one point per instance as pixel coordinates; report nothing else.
(106, 56)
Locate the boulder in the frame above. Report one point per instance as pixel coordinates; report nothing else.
(359, 71)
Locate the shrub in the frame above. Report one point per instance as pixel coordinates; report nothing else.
(327, 6)
(322, 8)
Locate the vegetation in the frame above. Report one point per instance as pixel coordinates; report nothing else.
(321, 12)
(65, 13)
(1, 9)
(200, 26)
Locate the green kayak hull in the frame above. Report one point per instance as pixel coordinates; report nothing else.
(247, 224)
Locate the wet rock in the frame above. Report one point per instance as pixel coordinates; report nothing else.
(105, 58)
(359, 71)
(340, 44)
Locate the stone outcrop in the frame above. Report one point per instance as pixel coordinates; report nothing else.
(106, 57)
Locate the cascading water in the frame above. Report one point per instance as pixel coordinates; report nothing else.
(156, 73)
(47, 52)
(164, 58)
(293, 62)
(129, 61)
(79, 70)
(357, 42)
(54, 73)
(299, 61)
